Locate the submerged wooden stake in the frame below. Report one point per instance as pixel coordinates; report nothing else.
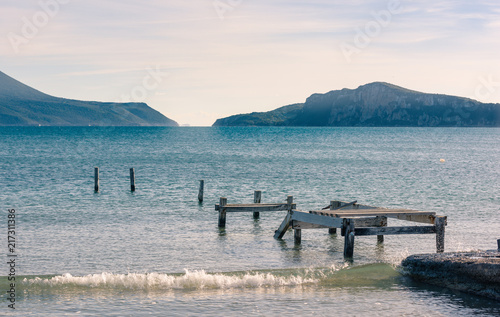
(132, 179)
(256, 199)
(222, 212)
(200, 191)
(96, 179)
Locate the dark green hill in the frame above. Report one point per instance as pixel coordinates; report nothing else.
(276, 117)
(21, 105)
(377, 104)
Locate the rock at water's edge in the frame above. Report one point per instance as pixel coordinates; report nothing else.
(471, 272)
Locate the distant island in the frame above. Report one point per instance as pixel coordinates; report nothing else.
(376, 104)
(21, 105)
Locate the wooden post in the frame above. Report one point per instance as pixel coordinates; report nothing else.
(333, 204)
(256, 199)
(498, 243)
(132, 179)
(297, 236)
(289, 201)
(380, 237)
(349, 238)
(200, 191)
(440, 222)
(96, 179)
(222, 212)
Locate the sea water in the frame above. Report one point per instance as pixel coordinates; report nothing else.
(158, 251)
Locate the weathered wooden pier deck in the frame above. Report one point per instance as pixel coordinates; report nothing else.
(361, 220)
(223, 207)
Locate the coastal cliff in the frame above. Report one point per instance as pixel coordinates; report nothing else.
(376, 104)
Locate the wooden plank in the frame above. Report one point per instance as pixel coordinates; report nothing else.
(257, 195)
(305, 225)
(352, 203)
(354, 206)
(329, 222)
(358, 222)
(417, 218)
(256, 207)
(393, 213)
(132, 179)
(278, 234)
(395, 230)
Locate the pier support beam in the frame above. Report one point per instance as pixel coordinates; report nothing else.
(96, 179)
(383, 223)
(257, 195)
(348, 227)
(333, 204)
(297, 236)
(222, 212)
(278, 234)
(440, 223)
(200, 191)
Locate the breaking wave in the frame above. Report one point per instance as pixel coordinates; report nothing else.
(188, 280)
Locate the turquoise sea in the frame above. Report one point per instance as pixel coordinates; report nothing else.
(158, 251)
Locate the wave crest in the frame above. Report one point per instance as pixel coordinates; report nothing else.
(188, 280)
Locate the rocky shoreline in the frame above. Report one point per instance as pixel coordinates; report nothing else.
(471, 272)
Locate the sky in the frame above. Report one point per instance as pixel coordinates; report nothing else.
(199, 60)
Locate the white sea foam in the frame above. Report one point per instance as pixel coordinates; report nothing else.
(188, 280)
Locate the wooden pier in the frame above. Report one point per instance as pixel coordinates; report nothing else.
(256, 208)
(361, 220)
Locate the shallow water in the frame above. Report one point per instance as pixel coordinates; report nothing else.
(122, 253)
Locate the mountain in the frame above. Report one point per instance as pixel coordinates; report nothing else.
(376, 104)
(21, 105)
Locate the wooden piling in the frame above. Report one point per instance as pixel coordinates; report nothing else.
(96, 179)
(289, 201)
(297, 236)
(333, 204)
(257, 195)
(498, 244)
(200, 191)
(440, 223)
(383, 223)
(348, 226)
(132, 179)
(222, 212)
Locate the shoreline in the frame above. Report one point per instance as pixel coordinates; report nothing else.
(475, 273)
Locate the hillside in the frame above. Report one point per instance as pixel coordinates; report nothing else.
(376, 104)
(21, 105)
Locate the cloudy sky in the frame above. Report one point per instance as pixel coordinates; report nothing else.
(199, 60)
